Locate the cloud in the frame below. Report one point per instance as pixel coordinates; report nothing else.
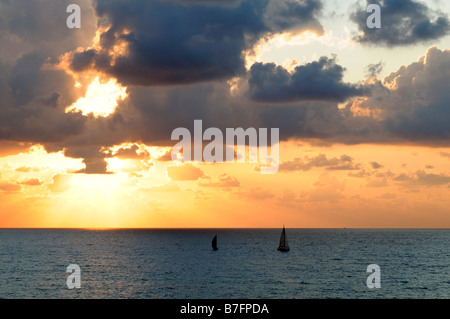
(174, 42)
(360, 174)
(318, 80)
(32, 182)
(25, 26)
(186, 172)
(32, 103)
(345, 162)
(410, 104)
(374, 69)
(94, 166)
(292, 15)
(61, 183)
(93, 158)
(33, 96)
(376, 165)
(8, 187)
(423, 113)
(224, 181)
(387, 196)
(23, 169)
(377, 182)
(130, 152)
(445, 154)
(170, 187)
(166, 157)
(12, 148)
(404, 22)
(421, 178)
(259, 193)
(327, 188)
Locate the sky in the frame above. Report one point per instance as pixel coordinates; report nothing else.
(87, 114)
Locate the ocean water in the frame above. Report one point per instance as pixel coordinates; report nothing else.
(168, 264)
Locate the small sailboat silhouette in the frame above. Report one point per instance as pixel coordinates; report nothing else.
(284, 247)
(214, 243)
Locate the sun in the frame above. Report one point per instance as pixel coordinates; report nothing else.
(101, 98)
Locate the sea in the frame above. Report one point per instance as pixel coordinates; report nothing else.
(181, 264)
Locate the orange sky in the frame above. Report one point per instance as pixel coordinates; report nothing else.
(382, 186)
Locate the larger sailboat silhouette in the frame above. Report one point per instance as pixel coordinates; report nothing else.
(284, 247)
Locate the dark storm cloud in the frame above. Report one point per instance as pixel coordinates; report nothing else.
(403, 22)
(318, 80)
(29, 81)
(320, 122)
(282, 15)
(189, 41)
(149, 115)
(174, 42)
(27, 26)
(409, 105)
(416, 107)
(32, 97)
(33, 103)
(423, 124)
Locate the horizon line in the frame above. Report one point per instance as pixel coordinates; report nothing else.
(219, 228)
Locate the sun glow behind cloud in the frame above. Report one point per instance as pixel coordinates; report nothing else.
(101, 98)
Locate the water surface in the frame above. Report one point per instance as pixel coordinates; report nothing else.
(132, 263)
